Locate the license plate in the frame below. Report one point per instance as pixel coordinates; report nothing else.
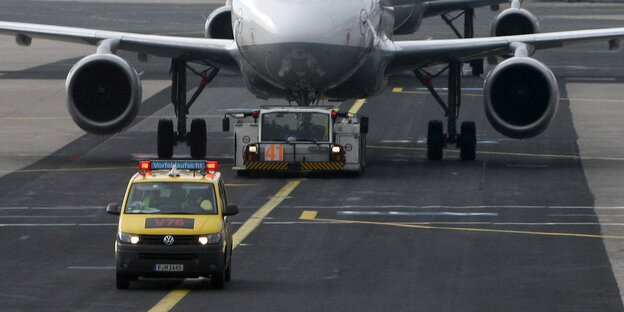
(169, 267)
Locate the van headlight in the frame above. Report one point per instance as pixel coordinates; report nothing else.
(210, 239)
(128, 238)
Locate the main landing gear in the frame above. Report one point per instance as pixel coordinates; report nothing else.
(466, 139)
(196, 138)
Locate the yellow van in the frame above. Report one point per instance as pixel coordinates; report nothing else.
(174, 222)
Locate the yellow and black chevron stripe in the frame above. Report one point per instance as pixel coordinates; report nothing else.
(266, 165)
(327, 165)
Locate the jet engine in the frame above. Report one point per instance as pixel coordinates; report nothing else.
(103, 93)
(407, 19)
(219, 24)
(515, 21)
(521, 97)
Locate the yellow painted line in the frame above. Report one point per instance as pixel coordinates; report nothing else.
(504, 153)
(356, 107)
(308, 215)
(400, 90)
(170, 300)
(460, 229)
(254, 221)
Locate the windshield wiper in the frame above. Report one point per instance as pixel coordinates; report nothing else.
(308, 140)
(278, 139)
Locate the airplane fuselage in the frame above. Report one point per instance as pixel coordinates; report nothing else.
(308, 50)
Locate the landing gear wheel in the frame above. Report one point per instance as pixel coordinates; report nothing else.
(468, 140)
(166, 138)
(123, 281)
(435, 140)
(197, 139)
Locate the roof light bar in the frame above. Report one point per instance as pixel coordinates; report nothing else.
(178, 164)
(212, 165)
(145, 165)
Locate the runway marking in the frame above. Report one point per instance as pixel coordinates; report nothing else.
(254, 221)
(54, 224)
(307, 217)
(544, 224)
(356, 107)
(45, 217)
(609, 17)
(171, 299)
(417, 213)
(451, 207)
(426, 92)
(67, 169)
(22, 118)
(535, 155)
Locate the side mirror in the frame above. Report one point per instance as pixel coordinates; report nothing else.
(230, 210)
(113, 208)
(364, 125)
(226, 124)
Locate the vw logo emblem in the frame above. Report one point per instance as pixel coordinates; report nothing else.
(168, 240)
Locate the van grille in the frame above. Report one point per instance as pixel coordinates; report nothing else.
(178, 240)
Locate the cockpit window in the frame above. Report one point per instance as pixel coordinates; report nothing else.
(305, 126)
(171, 198)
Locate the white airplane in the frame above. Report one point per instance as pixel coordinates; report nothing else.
(306, 51)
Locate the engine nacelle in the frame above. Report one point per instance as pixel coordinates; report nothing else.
(515, 21)
(103, 93)
(521, 97)
(219, 24)
(407, 19)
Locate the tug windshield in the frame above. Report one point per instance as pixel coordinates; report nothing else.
(300, 126)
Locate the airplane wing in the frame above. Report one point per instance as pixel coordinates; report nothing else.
(420, 53)
(216, 52)
(438, 7)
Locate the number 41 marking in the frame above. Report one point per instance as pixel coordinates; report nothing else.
(275, 152)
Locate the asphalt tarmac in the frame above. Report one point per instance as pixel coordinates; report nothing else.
(530, 225)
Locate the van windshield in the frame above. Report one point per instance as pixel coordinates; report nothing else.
(171, 198)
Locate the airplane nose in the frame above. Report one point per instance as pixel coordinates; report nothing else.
(301, 47)
(270, 20)
(314, 25)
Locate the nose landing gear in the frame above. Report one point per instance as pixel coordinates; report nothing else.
(167, 137)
